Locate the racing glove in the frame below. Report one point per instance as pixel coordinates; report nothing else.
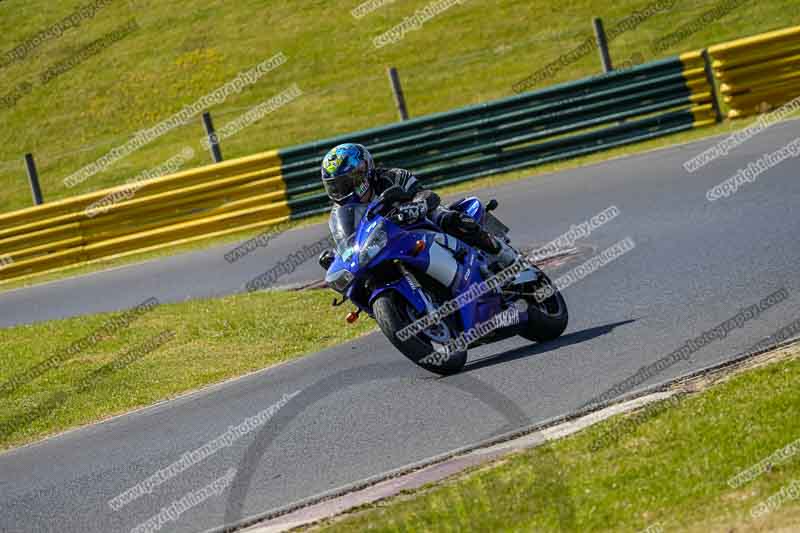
(411, 213)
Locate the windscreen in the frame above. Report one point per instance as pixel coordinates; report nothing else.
(343, 224)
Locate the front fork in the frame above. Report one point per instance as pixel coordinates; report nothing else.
(414, 284)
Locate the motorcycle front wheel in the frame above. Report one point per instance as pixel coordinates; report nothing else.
(426, 348)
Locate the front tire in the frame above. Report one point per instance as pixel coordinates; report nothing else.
(393, 313)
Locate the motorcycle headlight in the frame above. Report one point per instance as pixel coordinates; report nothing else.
(339, 280)
(374, 244)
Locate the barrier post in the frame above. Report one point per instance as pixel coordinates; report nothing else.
(33, 178)
(397, 89)
(602, 44)
(213, 141)
(710, 77)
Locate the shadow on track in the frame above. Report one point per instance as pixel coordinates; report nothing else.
(539, 348)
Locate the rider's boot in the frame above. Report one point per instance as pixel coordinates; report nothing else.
(501, 256)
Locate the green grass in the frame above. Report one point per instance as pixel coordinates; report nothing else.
(670, 470)
(182, 51)
(214, 340)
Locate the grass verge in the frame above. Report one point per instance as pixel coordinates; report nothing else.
(213, 340)
(667, 472)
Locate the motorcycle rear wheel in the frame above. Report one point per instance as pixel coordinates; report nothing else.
(547, 319)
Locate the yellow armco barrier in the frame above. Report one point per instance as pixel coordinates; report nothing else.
(758, 73)
(237, 195)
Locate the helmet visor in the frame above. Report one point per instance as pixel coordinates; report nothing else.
(340, 188)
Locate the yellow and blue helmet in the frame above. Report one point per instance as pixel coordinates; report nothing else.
(346, 172)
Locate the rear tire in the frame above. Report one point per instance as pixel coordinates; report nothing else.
(548, 319)
(391, 317)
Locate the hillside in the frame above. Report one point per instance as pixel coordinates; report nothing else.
(70, 95)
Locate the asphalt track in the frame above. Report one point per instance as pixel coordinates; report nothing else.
(363, 410)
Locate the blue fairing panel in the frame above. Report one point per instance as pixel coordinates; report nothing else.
(405, 290)
(472, 206)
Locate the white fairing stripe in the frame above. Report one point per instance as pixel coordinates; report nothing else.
(443, 268)
(447, 241)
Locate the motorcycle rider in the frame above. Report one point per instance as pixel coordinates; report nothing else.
(350, 175)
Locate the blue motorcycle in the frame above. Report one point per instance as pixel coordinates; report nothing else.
(432, 295)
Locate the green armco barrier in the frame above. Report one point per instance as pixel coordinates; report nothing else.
(540, 118)
(559, 122)
(548, 95)
(310, 205)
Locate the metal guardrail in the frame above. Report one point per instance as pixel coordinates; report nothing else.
(522, 131)
(760, 72)
(217, 199)
(559, 122)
